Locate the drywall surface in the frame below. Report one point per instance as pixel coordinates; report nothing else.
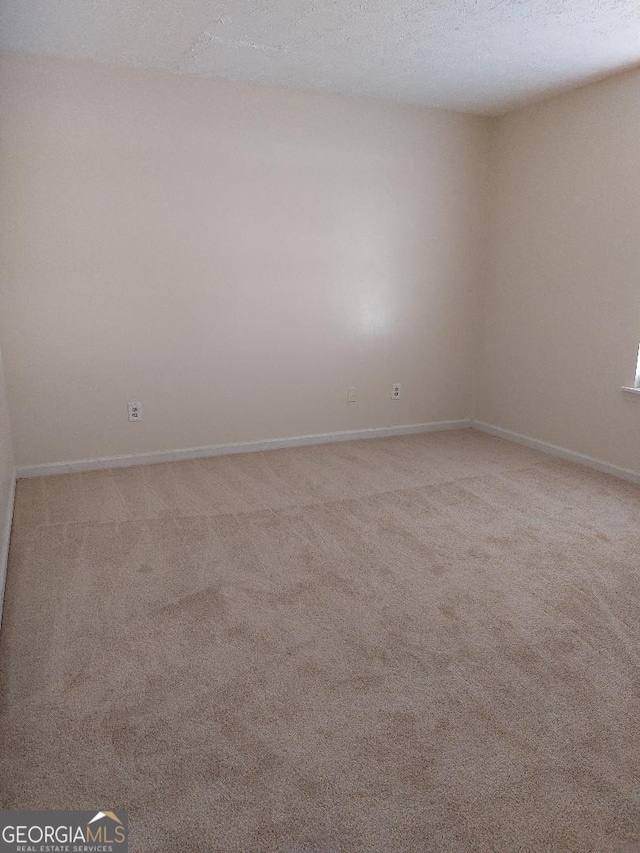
(6, 478)
(231, 256)
(562, 309)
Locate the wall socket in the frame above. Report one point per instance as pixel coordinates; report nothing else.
(351, 394)
(135, 411)
(396, 391)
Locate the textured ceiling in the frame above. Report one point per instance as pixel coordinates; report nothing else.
(475, 55)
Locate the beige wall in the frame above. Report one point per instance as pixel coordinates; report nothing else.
(232, 256)
(562, 306)
(6, 476)
(235, 257)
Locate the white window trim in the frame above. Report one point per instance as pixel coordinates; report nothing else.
(636, 384)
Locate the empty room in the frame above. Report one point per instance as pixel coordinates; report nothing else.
(319, 426)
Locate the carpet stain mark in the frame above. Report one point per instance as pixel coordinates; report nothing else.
(207, 603)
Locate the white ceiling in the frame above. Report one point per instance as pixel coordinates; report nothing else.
(481, 56)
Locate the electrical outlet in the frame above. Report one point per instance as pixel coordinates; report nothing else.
(135, 411)
(351, 394)
(396, 391)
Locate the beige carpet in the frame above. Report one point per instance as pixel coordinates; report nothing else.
(428, 643)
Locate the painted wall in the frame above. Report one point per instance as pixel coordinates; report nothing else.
(562, 307)
(231, 256)
(7, 478)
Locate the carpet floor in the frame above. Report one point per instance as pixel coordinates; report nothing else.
(423, 643)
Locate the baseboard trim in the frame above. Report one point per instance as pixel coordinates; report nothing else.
(560, 452)
(4, 544)
(153, 458)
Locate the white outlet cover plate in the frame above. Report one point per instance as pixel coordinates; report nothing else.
(134, 411)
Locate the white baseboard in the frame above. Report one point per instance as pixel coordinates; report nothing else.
(5, 536)
(223, 449)
(561, 452)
